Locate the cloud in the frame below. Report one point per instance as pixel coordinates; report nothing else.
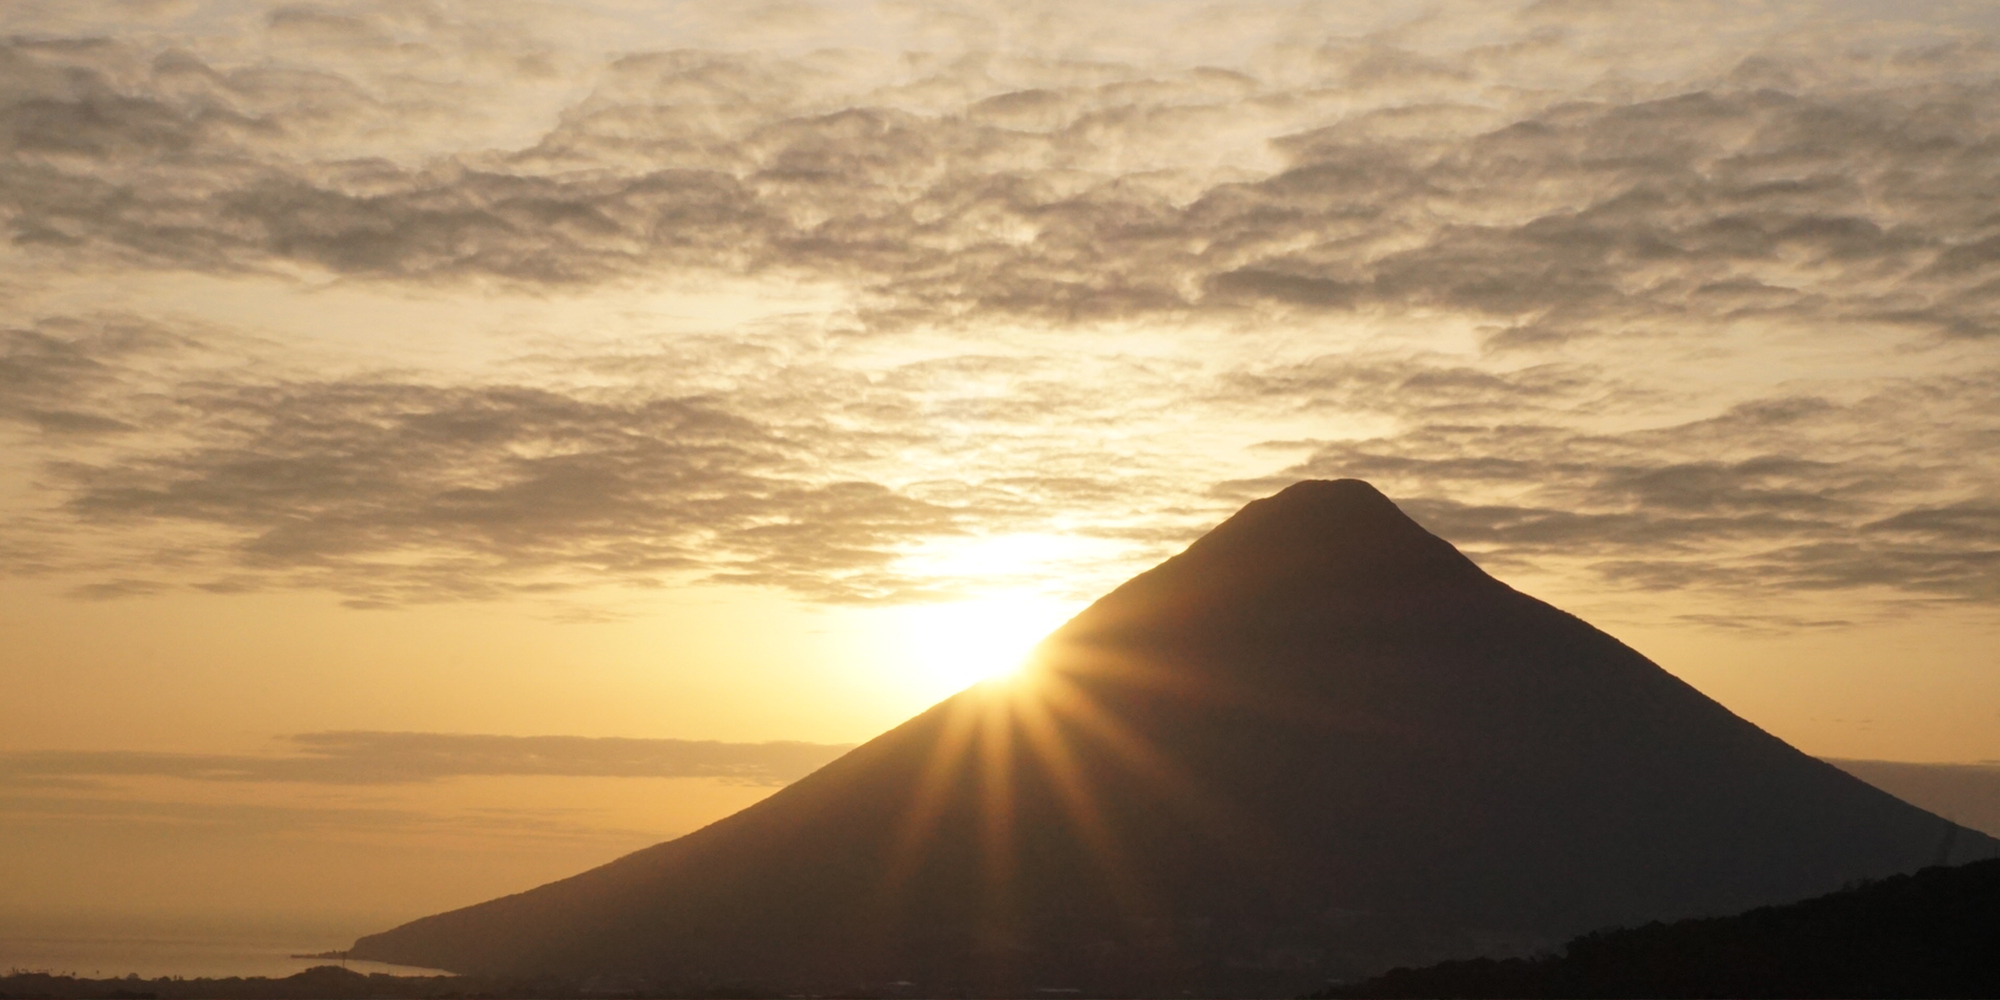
(1009, 185)
(396, 491)
(372, 758)
(79, 812)
(395, 488)
(1816, 495)
(114, 589)
(391, 490)
(73, 810)
(45, 375)
(1293, 207)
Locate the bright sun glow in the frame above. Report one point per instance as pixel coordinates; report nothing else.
(955, 644)
(1020, 556)
(965, 642)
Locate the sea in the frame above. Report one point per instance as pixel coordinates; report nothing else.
(100, 946)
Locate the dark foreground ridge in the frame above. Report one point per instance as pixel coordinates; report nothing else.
(333, 982)
(1317, 744)
(321, 982)
(1932, 934)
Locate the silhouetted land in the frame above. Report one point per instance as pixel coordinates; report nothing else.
(1317, 744)
(331, 982)
(1935, 933)
(1932, 934)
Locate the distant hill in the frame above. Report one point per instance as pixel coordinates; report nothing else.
(1932, 934)
(1318, 743)
(321, 982)
(1966, 794)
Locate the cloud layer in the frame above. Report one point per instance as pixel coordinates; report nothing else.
(1786, 183)
(1674, 302)
(367, 758)
(1787, 494)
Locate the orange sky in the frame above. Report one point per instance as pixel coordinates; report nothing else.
(694, 372)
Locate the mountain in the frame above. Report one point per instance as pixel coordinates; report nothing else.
(1932, 934)
(1317, 743)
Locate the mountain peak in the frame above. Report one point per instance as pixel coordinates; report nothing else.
(1328, 512)
(1313, 552)
(1335, 510)
(1340, 532)
(1347, 493)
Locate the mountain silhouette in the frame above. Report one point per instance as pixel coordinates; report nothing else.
(1317, 743)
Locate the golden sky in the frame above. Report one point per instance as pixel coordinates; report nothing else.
(384, 384)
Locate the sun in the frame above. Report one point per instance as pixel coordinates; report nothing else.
(962, 643)
(952, 645)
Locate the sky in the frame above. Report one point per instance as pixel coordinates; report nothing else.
(448, 445)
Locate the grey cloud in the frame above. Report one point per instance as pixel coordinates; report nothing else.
(45, 377)
(394, 492)
(1824, 497)
(1672, 208)
(368, 758)
(1039, 190)
(1799, 184)
(70, 813)
(1971, 522)
(322, 26)
(114, 589)
(391, 492)
(1434, 389)
(1768, 624)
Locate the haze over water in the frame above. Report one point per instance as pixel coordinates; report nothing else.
(113, 945)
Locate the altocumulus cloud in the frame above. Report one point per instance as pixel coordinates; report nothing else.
(1561, 194)
(392, 490)
(1793, 494)
(1807, 184)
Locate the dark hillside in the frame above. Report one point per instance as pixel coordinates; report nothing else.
(1932, 934)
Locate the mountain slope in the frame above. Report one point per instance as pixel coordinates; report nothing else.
(1932, 934)
(1318, 742)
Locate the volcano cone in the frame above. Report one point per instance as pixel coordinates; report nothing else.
(1317, 743)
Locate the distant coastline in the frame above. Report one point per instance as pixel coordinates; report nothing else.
(322, 982)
